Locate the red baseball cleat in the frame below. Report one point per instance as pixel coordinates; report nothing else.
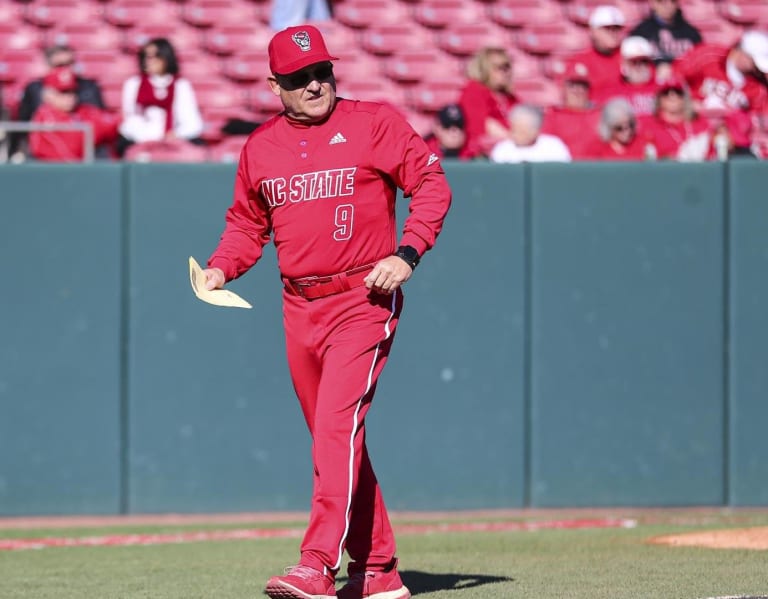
(301, 582)
(374, 585)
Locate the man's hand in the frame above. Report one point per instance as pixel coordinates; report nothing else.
(388, 275)
(214, 278)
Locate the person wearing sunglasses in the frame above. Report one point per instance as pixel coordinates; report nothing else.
(158, 104)
(678, 133)
(619, 134)
(321, 179)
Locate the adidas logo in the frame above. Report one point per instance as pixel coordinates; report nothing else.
(337, 139)
(432, 159)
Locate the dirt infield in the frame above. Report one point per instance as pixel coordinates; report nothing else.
(733, 538)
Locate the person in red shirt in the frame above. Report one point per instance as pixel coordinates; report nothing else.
(727, 80)
(636, 81)
(575, 120)
(676, 131)
(321, 179)
(602, 58)
(486, 100)
(60, 106)
(447, 138)
(619, 136)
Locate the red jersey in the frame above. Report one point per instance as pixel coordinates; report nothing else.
(326, 193)
(478, 103)
(641, 96)
(668, 138)
(602, 150)
(704, 69)
(604, 69)
(66, 146)
(577, 128)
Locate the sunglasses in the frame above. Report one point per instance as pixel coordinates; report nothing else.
(671, 91)
(504, 66)
(304, 77)
(623, 127)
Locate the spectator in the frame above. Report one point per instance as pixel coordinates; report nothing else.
(606, 30)
(158, 104)
(636, 81)
(675, 129)
(667, 30)
(486, 100)
(88, 92)
(575, 119)
(526, 142)
(289, 13)
(448, 136)
(619, 139)
(725, 79)
(60, 105)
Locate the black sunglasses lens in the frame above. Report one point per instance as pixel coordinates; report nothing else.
(302, 79)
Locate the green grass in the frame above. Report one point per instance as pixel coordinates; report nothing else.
(594, 564)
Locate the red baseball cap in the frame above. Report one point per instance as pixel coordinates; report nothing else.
(61, 79)
(294, 48)
(576, 71)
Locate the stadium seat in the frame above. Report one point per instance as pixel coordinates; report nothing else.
(105, 65)
(50, 13)
(354, 65)
(214, 13)
(20, 66)
(538, 91)
(132, 13)
(544, 39)
(229, 39)
(373, 90)
(439, 14)
(20, 38)
(524, 66)
(466, 39)
(112, 94)
(718, 31)
(744, 12)
(164, 151)
(84, 36)
(262, 101)
(184, 38)
(228, 149)
(433, 95)
(579, 11)
(361, 14)
(514, 14)
(388, 39)
(246, 67)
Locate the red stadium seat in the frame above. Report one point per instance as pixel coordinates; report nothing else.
(164, 151)
(538, 92)
(466, 40)
(718, 31)
(132, 13)
(524, 66)
(579, 11)
(262, 101)
(228, 149)
(246, 67)
(85, 36)
(20, 66)
(214, 13)
(515, 14)
(559, 38)
(230, 39)
(50, 13)
(354, 65)
(361, 14)
(184, 38)
(420, 65)
(439, 14)
(373, 90)
(744, 12)
(105, 65)
(20, 38)
(388, 39)
(433, 95)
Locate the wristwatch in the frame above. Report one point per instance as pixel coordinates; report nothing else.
(409, 254)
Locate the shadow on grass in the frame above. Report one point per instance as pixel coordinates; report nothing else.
(427, 582)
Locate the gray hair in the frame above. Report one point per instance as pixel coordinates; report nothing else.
(527, 112)
(614, 111)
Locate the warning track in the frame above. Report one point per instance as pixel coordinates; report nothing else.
(271, 533)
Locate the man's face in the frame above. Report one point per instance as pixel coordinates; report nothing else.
(576, 94)
(308, 95)
(451, 138)
(61, 58)
(607, 39)
(637, 70)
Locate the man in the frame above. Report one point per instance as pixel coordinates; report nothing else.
(602, 58)
(526, 142)
(447, 138)
(636, 81)
(670, 34)
(575, 119)
(87, 90)
(60, 106)
(321, 177)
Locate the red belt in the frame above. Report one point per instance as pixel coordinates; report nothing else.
(315, 287)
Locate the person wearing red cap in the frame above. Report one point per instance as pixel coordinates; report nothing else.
(575, 119)
(637, 80)
(320, 178)
(60, 106)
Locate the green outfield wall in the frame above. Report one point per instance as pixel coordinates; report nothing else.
(583, 335)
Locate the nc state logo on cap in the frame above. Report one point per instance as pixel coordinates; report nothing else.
(301, 38)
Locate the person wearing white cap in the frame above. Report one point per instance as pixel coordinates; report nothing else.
(602, 58)
(726, 79)
(636, 82)
(670, 34)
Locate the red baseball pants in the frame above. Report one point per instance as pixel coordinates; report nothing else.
(337, 347)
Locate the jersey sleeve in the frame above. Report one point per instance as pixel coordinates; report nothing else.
(247, 227)
(401, 154)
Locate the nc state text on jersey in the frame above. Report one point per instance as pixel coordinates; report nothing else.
(317, 185)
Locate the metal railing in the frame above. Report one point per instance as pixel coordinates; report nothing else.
(7, 127)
